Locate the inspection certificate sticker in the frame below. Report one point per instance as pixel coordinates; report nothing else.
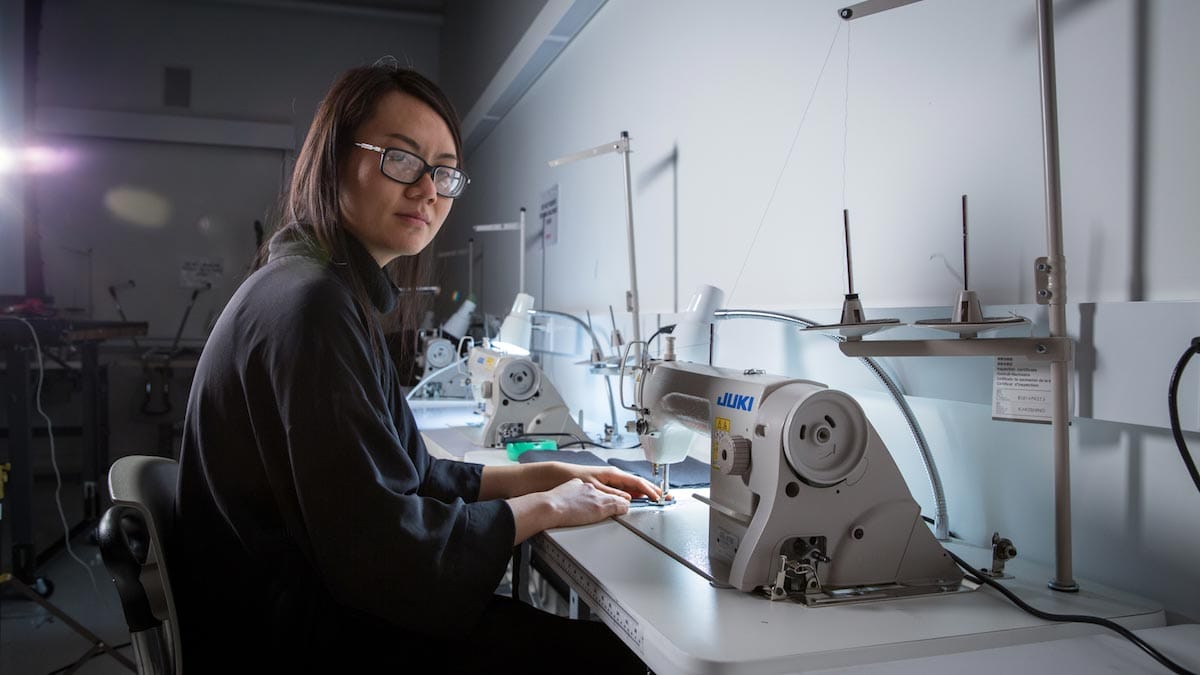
(1021, 390)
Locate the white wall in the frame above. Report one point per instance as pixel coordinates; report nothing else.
(943, 100)
(247, 64)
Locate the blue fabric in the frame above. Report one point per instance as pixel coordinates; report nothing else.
(689, 473)
(581, 457)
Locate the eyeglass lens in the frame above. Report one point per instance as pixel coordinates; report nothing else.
(407, 168)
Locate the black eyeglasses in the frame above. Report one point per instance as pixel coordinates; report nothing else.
(404, 167)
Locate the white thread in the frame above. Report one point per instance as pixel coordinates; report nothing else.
(786, 159)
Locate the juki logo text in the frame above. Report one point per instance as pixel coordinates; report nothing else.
(736, 401)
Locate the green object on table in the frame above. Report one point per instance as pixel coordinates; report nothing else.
(515, 449)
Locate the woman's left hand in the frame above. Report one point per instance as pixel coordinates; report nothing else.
(609, 479)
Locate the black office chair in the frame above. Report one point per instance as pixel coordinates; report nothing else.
(131, 536)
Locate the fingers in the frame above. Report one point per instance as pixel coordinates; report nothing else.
(627, 483)
(636, 485)
(597, 502)
(610, 490)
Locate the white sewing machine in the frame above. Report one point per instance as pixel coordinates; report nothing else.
(805, 499)
(517, 399)
(436, 353)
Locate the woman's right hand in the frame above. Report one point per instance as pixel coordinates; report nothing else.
(574, 502)
(578, 503)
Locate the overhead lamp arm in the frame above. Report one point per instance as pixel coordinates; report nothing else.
(518, 226)
(621, 146)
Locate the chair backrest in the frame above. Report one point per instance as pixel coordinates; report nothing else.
(132, 534)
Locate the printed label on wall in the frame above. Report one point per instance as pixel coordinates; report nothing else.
(548, 212)
(1021, 390)
(195, 272)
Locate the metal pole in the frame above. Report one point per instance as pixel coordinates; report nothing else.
(966, 278)
(849, 269)
(633, 288)
(521, 256)
(1060, 415)
(471, 267)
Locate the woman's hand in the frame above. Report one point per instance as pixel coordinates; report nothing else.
(576, 502)
(506, 482)
(571, 495)
(609, 479)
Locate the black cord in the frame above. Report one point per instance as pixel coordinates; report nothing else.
(543, 436)
(1073, 618)
(931, 521)
(583, 444)
(1173, 409)
(668, 329)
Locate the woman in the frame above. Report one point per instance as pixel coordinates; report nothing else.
(314, 527)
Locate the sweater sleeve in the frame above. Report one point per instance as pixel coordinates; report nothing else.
(389, 533)
(443, 479)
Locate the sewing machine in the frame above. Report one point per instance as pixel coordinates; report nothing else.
(435, 354)
(805, 499)
(517, 399)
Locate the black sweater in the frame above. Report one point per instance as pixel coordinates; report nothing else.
(308, 505)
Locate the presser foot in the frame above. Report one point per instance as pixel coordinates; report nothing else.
(666, 500)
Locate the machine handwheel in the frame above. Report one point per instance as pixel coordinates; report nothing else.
(825, 438)
(518, 379)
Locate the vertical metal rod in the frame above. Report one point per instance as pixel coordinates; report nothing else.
(712, 340)
(187, 312)
(1059, 419)
(471, 267)
(634, 307)
(521, 255)
(18, 393)
(966, 282)
(849, 268)
(542, 286)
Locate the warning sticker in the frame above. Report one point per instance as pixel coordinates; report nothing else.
(1021, 390)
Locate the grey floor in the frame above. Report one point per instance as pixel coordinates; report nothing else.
(32, 640)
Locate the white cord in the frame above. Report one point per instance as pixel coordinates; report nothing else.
(37, 345)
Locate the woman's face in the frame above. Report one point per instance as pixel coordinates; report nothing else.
(393, 219)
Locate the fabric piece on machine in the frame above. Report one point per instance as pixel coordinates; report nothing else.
(689, 473)
(581, 457)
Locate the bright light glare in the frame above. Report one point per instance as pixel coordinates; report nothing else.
(35, 159)
(138, 206)
(508, 348)
(8, 160)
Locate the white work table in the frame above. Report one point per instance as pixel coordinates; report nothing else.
(679, 623)
(1103, 653)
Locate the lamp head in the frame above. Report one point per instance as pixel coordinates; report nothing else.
(691, 333)
(516, 332)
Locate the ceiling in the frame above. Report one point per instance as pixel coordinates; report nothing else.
(436, 6)
(420, 9)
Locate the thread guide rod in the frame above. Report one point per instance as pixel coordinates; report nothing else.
(849, 268)
(966, 284)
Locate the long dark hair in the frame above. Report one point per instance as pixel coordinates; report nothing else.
(312, 199)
